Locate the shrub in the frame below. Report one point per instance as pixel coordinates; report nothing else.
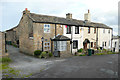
(104, 50)
(80, 50)
(5, 60)
(46, 51)
(43, 54)
(37, 52)
(82, 55)
(50, 54)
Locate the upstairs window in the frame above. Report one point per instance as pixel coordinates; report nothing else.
(115, 44)
(103, 30)
(68, 30)
(88, 29)
(108, 31)
(94, 30)
(75, 44)
(76, 29)
(46, 28)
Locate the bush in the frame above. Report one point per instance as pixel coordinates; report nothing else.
(5, 60)
(80, 50)
(46, 51)
(43, 54)
(104, 50)
(82, 55)
(37, 52)
(50, 54)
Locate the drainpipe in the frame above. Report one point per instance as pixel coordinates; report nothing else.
(71, 38)
(55, 35)
(5, 43)
(97, 39)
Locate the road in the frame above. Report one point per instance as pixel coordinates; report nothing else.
(102, 66)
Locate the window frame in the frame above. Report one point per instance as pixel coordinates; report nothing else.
(45, 27)
(68, 30)
(94, 30)
(103, 30)
(77, 29)
(91, 44)
(105, 44)
(75, 42)
(88, 29)
(109, 31)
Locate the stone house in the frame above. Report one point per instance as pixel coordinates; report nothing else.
(2, 44)
(67, 35)
(12, 36)
(116, 43)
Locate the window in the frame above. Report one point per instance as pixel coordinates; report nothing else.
(91, 44)
(46, 46)
(88, 29)
(94, 30)
(61, 45)
(108, 31)
(103, 30)
(68, 29)
(75, 44)
(76, 29)
(115, 44)
(105, 43)
(46, 28)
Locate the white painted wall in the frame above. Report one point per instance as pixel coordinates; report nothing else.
(117, 45)
(78, 37)
(104, 37)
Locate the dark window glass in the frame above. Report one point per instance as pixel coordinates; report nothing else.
(94, 30)
(68, 29)
(88, 29)
(108, 31)
(105, 43)
(75, 44)
(76, 30)
(91, 44)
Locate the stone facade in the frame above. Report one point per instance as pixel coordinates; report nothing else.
(32, 26)
(12, 36)
(2, 43)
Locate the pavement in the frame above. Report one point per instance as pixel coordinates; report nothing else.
(102, 66)
(28, 64)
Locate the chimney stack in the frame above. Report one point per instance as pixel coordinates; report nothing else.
(87, 16)
(69, 16)
(26, 11)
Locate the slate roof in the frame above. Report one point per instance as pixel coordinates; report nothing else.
(61, 38)
(116, 37)
(59, 20)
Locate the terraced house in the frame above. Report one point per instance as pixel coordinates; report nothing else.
(66, 35)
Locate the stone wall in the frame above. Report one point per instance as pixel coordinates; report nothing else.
(2, 43)
(38, 31)
(25, 42)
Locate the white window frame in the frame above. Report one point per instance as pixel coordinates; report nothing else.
(47, 46)
(61, 45)
(46, 27)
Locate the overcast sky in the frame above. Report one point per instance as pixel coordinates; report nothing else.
(103, 11)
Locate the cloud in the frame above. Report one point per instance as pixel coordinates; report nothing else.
(103, 11)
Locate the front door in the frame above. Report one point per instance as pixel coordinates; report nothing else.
(85, 46)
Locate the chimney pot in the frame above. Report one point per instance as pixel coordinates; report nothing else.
(88, 11)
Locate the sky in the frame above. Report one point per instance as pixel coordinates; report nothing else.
(102, 11)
